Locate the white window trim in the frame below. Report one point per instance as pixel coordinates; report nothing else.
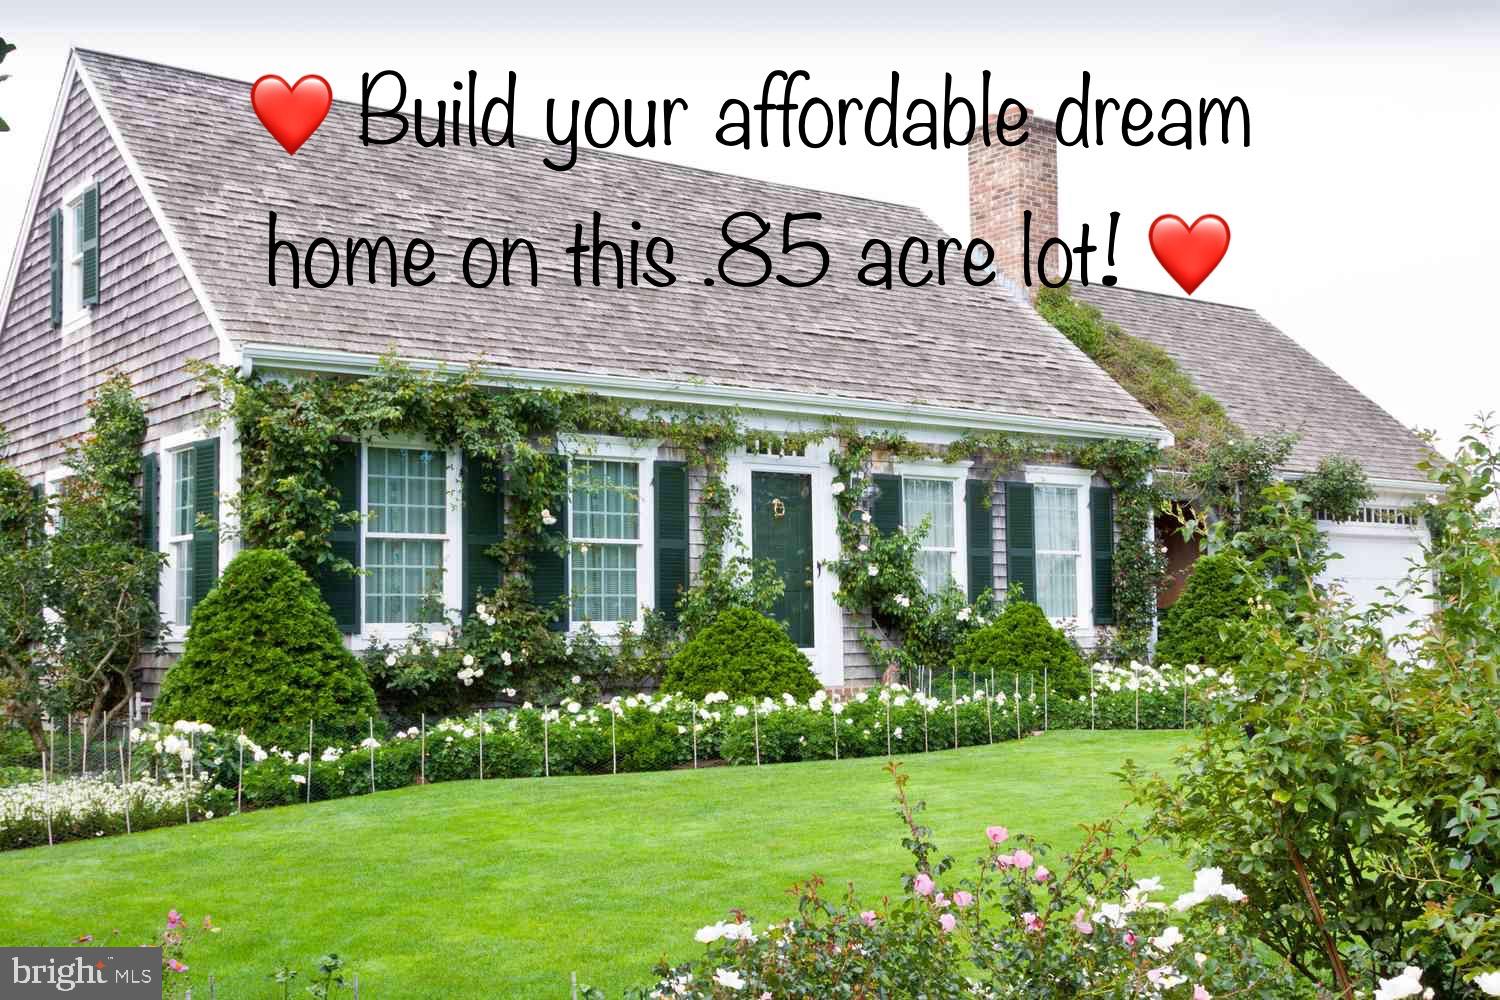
(175, 632)
(400, 632)
(1082, 627)
(956, 473)
(76, 315)
(827, 651)
(587, 447)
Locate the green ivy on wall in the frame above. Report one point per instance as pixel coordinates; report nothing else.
(289, 429)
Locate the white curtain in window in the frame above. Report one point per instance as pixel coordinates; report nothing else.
(931, 500)
(1057, 550)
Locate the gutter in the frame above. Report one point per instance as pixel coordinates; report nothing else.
(690, 392)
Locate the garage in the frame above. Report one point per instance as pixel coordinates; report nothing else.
(1377, 550)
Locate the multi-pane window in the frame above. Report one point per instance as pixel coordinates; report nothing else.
(407, 503)
(181, 541)
(1057, 550)
(931, 500)
(605, 533)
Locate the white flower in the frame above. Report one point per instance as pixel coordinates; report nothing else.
(574, 708)
(1207, 883)
(709, 934)
(964, 614)
(1167, 939)
(874, 570)
(468, 660)
(1488, 983)
(896, 732)
(838, 488)
(390, 659)
(902, 600)
(577, 680)
(864, 516)
(505, 658)
(740, 711)
(729, 979)
(1407, 984)
(481, 610)
(299, 779)
(369, 743)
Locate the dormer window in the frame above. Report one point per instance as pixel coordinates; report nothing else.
(75, 255)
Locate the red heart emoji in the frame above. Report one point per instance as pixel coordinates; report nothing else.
(291, 114)
(1189, 253)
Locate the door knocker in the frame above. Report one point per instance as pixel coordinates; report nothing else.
(778, 508)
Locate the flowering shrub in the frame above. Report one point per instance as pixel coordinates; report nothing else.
(1017, 922)
(213, 769)
(173, 940)
(79, 808)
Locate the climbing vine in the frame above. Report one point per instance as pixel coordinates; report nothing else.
(289, 431)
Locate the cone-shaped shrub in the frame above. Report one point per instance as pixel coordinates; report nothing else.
(264, 654)
(744, 654)
(1203, 626)
(1022, 644)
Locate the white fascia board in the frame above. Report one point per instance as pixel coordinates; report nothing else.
(228, 354)
(926, 415)
(1416, 487)
(27, 220)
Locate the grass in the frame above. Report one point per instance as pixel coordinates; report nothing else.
(501, 888)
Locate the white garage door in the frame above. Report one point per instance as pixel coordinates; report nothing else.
(1377, 557)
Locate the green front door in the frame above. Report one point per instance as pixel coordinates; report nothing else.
(781, 531)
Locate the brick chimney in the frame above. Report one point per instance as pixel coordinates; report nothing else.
(1005, 181)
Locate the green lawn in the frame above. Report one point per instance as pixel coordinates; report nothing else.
(501, 888)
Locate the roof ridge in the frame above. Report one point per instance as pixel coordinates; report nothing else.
(582, 151)
(1170, 295)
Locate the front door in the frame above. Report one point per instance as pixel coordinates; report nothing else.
(781, 531)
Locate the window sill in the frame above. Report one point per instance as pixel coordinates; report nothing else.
(77, 324)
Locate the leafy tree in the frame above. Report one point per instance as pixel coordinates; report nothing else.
(25, 633)
(1337, 488)
(1354, 791)
(103, 584)
(264, 654)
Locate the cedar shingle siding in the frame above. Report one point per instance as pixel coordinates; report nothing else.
(147, 323)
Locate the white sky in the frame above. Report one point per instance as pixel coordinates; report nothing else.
(1365, 215)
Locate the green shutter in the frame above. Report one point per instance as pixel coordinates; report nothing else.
(341, 590)
(151, 510)
(886, 514)
(549, 570)
(1020, 539)
(484, 526)
(671, 502)
(1102, 531)
(205, 505)
(980, 537)
(39, 496)
(88, 245)
(55, 264)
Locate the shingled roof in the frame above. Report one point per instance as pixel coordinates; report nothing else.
(216, 174)
(1266, 381)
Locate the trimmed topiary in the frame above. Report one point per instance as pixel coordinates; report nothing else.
(264, 654)
(1022, 644)
(744, 654)
(1215, 597)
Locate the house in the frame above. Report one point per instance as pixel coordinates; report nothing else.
(1266, 383)
(144, 250)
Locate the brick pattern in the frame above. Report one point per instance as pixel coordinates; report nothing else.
(1004, 182)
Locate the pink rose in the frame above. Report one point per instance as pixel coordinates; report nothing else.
(867, 917)
(997, 834)
(922, 884)
(1129, 939)
(1199, 993)
(1081, 923)
(947, 922)
(1042, 874)
(1032, 921)
(1005, 861)
(963, 899)
(1021, 859)
(176, 966)
(174, 919)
